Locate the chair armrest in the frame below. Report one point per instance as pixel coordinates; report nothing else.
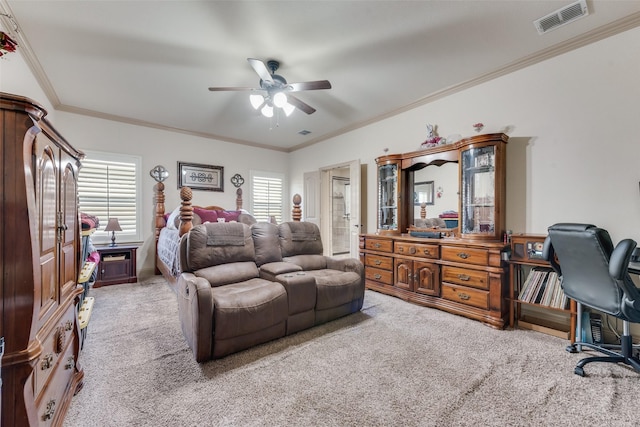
(195, 307)
(619, 261)
(346, 264)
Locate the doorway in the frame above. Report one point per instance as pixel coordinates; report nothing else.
(340, 212)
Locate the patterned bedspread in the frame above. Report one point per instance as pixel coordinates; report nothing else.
(168, 249)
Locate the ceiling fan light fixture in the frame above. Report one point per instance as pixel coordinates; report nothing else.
(267, 110)
(288, 109)
(280, 99)
(256, 100)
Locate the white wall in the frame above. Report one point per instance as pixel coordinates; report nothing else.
(573, 153)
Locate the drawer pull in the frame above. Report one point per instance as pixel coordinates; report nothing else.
(70, 363)
(377, 276)
(426, 252)
(463, 255)
(49, 410)
(377, 245)
(68, 325)
(400, 249)
(377, 262)
(61, 338)
(412, 250)
(464, 277)
(46, 362)
(463, 297)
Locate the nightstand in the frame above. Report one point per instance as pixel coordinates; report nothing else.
(117, 265)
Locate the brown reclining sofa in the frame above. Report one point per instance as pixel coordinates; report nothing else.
(245, 285)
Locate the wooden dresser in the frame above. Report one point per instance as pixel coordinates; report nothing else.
(455, 275)
(40, 251)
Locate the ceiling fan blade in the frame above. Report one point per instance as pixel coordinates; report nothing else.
(220, 89)
(300, 105)
(261, 69)
(320, 84)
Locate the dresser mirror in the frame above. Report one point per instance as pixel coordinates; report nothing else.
(444, 186)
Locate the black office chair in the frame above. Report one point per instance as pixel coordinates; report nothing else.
(595, 274)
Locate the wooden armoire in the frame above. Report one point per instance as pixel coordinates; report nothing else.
(40, 252)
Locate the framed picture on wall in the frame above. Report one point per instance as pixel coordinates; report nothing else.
(200, 177)
(423, 193)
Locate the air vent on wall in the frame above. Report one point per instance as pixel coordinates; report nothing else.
(561, 17)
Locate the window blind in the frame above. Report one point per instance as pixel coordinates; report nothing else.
(107, 189)
(267, 192)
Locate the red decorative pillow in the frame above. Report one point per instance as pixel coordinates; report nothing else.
(229, 215)
(206, 215)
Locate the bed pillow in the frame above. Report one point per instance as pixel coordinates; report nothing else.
(229, 215)
(171, 219)
(206, 215)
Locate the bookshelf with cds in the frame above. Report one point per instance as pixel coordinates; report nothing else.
(537, 299)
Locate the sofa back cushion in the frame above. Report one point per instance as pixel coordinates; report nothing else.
(299, 238)
(217, 243)
(266, 243)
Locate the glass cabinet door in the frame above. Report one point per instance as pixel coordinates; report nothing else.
(388, 187)
(478, 174)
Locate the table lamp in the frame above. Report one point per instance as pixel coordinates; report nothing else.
(113, 225)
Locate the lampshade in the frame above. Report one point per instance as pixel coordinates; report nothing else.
(288, 109)
(267, 110)
(256, 100)
(113, 225)
(280, 100)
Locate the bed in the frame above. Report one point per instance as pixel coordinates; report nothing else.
(170, 226)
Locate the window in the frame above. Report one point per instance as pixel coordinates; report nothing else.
(267, 194)
(108, 188)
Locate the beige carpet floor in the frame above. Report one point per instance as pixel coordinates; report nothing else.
(392, 364)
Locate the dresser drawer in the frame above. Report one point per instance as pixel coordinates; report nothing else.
(417, 249)
(465, 295)
(465, 255)
(53, 346)
(466, 277)
(379, 245)
(384, 262)
(383, 276)
(50, 400)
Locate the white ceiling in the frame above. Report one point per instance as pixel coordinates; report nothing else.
(151, 62)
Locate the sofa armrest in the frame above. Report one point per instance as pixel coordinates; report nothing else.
(270, 270)
(195, 307)
(346, 264)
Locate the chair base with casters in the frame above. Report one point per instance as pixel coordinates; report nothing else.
(625, 354)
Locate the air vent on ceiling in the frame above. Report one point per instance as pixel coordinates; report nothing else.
(561, 17)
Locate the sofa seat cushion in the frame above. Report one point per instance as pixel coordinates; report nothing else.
(224, 274)
(335, 288)
(246, 307)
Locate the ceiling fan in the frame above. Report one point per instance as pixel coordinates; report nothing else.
(278, 91)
